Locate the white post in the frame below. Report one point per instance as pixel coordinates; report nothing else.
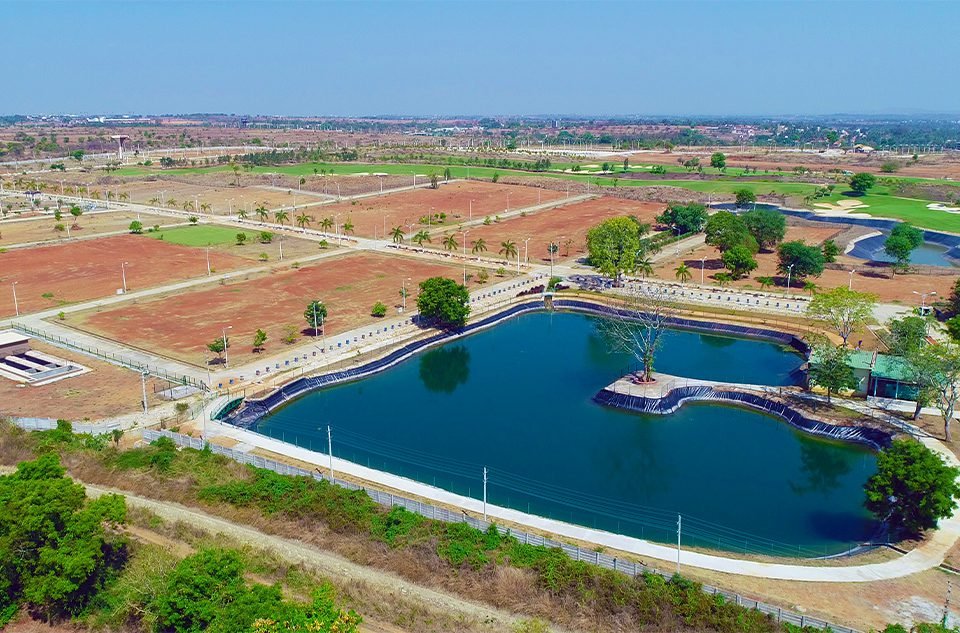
(850, 284)
(123, 276)
(330, 450)
(16, 306)
(281, 247)
(226, 354)
(208, 261)
(143, 383)
(484, 493)
(679, 524)
(789, 275)
(471, 210)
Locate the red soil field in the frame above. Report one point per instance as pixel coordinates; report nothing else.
(371, 215)
(867, 278)
(570, 222)
(181, 325)
(90, 269)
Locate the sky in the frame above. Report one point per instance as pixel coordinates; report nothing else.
(585, 57)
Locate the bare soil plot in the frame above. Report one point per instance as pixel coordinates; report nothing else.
(220, 198)
(371, 215)
(181, 325)
(566, 226)
(106, 391)
(48, 276)
(867, 278)
(41, 228)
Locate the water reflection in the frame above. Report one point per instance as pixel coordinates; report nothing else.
(822, 469)
(443, 370)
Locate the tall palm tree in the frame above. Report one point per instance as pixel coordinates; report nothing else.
(187, 205)
(172, 202)
(508, 249)
(153, 201)
(421, 237)
(205, 207)
(479, 246)
(326, 224)
(450, 242)
(682, 272)
(348, 227)
(281, 216)
(241, 214)
(262, 213)
(397, 234)
(304, 220)
(645, 267)
(124, 196)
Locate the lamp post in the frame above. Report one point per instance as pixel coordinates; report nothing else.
(464, 233)
(923, 299)
(850, 283)
(471, 210)
(226, 354)
(403, 293)
(789, 275)
(123, 276)
(526, 251)
(16, 306)
(143, 385)
(208, 261)
(703, 263)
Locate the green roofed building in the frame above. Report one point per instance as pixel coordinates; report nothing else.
(880, 375)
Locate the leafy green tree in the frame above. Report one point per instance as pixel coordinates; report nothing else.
(443, 302)
(315, 314)
(907, 335)
(744, 197)
(259, 338)
(136, 227)
(218, 346)
(683, 219)
(725, 230)
(614, 245)
(718, 160)
(241, 238)
(936, 369)
(76, 212)
(379, 309)
(739, 261)
(57, 548)
(806, 260)
(830, 369)
(77, 155)
(901, 242)
(830, 250)
(861, 182)
(913, 487)
(766, 226)
(843, 309)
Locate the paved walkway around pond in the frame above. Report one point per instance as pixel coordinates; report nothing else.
(927, 555)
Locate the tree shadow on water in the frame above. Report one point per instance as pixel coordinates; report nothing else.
(443, 370)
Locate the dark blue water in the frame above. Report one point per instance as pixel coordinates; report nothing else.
(517, 399)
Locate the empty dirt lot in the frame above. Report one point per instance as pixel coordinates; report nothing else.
(181, 325)
(48, 276)
(40, 228)
(371, 216)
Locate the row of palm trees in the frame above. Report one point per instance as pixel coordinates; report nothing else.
(478, 246)
(303, 220)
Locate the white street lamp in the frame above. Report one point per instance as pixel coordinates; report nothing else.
(123, 275)
(526, 251)
(208, 261)
(850, 283)
(789, 275)
(226, 354)
(923, 299)
(16, 306)
(703, 262)
(464, 233)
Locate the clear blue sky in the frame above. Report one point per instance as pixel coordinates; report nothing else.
(464, 57)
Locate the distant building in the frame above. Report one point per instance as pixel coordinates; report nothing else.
(880, 375)
(860, 148)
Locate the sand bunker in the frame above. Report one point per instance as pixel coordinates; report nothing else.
(841, 206)
(939, 206)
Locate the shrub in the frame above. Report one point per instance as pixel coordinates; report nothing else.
(379, 309)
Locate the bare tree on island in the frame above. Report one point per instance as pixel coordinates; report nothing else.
(640, 325)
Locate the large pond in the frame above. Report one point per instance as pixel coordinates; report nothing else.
(518, 399)
(928, 253)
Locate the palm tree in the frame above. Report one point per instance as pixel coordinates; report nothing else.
(397, 234)
(241, 214)
(765, 282)
(450, 242)
(326, 224)
(187, 205)
(304, 220)
(172, 202)
(421, 237)
(347, 227)
(262, 213)
(683, 272)
(508, 249)
(479, 246)
(154, 201)
(110, 195)
(124, 196)
(645, 267)
(281, 216)
(205, 207)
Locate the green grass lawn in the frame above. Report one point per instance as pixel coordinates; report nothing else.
(199, 235)
(883, 204)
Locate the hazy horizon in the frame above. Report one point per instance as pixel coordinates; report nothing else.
(603, 59)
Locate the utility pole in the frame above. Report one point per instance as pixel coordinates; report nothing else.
(946, 605)
(330, 451)
(679, 525)
(143, 383)
(485, 504)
